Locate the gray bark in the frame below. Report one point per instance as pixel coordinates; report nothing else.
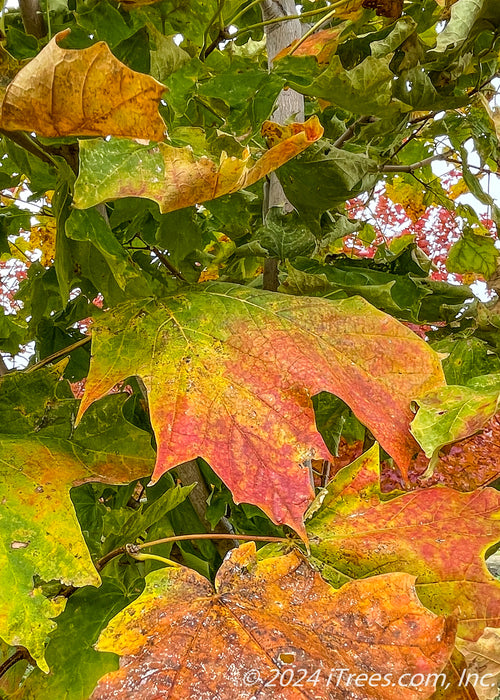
(290, 104)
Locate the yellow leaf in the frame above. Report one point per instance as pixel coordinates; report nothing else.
(410, 198)
(457, 189)
(43, 236)
(85, 92)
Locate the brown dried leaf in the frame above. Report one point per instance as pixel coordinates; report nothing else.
(385, 8)
(483, 660)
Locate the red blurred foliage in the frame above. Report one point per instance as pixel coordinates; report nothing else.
(435, 231)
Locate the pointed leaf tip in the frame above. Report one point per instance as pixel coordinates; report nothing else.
(230, 372)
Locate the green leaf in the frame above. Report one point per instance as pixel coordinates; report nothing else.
(41, 460)
(464, 13)
(75, 665)
(91, 226)
(455, 412)
(106, 23)
(285, 235)
(333, 175)
(13, 333)
(190, 18)
(466, 358)
(399, 295)
(135, 524)
(365, 89)
(166, 56)
(473, 253)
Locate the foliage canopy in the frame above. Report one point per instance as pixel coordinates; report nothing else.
(205, 288)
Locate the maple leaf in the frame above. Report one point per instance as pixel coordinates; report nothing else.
(174, 177)
(439, 535)
(182, 636)
(230, 372)
(452, 413)
(40, 461)
(85, 92)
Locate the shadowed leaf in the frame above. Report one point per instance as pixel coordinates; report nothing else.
(483, 659)
(452, 684)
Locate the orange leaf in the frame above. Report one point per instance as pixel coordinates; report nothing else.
(85, 92)
(437, 534)
(268, 621)
(230, 372)
(321, 45)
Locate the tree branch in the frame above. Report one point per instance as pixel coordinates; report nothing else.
(290, 103)
(166, 262)
(134, 548)
(189, 473)
(32, 18)
(414, 166)
(349, 132)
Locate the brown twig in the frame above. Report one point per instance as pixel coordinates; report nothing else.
(101, 563)
(19, 655)
(165, 261)
(213, 536)
(349, 132)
